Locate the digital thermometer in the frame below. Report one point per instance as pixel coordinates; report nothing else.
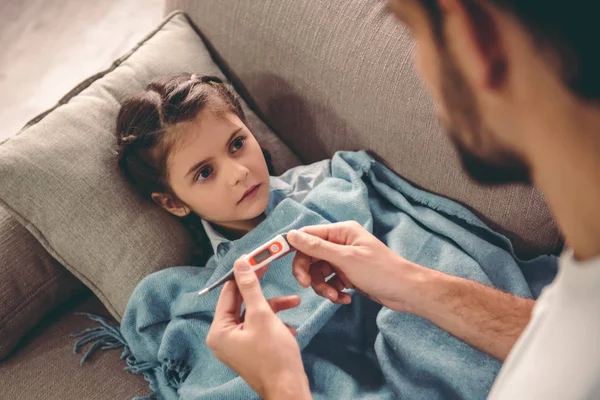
(263, 255)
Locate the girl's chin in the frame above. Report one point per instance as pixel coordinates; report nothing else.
(256, 209)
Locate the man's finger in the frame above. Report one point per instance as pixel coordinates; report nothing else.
(338, 233)
(259, 273)
(248, 284)
(227, 310)
(314, 246)
(336, 283)
(344, 279)
(343, 298)
(292, 330)
(324, 268)
(279, 304)
(320, 286)
(283, 303)
(300, 267)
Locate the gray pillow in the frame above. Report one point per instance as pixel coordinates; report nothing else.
(60, 180)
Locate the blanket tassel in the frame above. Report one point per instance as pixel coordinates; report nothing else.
(108, 337)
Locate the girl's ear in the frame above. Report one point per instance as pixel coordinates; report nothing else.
(169, 203)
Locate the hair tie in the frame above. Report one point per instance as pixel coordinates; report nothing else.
(210, 79)
(127, 140)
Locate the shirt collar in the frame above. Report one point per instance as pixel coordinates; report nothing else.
(215, 237)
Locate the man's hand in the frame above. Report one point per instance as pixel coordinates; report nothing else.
(358, 260)
(483, 317)
(257, 345)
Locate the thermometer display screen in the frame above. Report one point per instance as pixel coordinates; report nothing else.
(263, 255)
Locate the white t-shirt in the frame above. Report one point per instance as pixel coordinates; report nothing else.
(558, 354)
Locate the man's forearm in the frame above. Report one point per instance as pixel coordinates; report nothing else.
(481, 316)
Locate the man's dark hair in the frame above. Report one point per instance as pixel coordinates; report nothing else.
(564, 31)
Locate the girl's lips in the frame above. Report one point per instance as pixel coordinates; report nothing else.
(250, 193)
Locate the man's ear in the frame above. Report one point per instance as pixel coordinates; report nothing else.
(472, 31)
(169, 203)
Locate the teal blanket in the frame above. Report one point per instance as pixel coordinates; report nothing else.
(353, 351)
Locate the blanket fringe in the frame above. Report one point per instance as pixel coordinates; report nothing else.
(107, 337)
(175, 372)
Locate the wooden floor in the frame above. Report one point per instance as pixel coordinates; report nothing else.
(49, 46)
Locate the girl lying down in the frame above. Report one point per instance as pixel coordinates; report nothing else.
(184, 143)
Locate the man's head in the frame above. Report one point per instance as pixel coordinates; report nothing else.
(497, 67)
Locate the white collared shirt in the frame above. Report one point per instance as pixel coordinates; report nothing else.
(218, 242)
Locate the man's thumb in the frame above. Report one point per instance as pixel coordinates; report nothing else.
(313, 246)
(248, 283)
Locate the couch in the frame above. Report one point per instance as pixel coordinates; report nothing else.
(324, 76)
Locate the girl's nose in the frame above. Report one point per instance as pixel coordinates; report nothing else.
(239, 173)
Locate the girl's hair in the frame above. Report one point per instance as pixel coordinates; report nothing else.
(145, 124)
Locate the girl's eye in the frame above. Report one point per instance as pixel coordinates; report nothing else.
(237, 144)
(204, 173)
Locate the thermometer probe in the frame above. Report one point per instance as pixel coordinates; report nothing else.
(263, 255)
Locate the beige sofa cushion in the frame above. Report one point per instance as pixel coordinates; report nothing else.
(59, 176)
(32, 283)
(44, 366)
(338, 75)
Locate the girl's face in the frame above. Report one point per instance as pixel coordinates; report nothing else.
(217, 169)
